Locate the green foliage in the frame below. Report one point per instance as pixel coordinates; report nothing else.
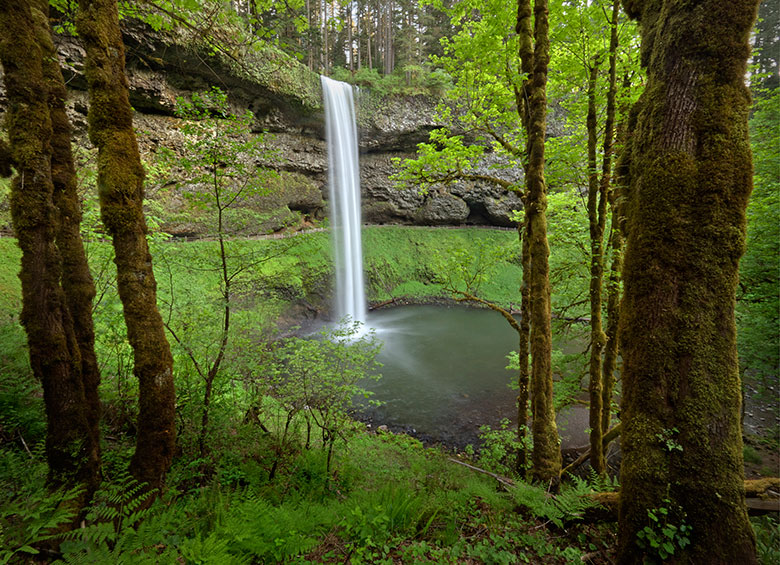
(668, 439)
(665, 533)
(29, 513)
(218, 161)
(252, 530)
(758, 306)
(767, 529)
(318, 380)
(411, 80)
(567, 506)
(117, 524)
(371, 524)
(21, 403)
(446, 158)
(411, 262)
(751, 455)
(499, 447)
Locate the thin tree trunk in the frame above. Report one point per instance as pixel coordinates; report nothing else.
(523, 377)
(120, 187)
(54, 350)
(368, 41)
(690, 179)
(546, 452)
(350, 48)
(616, 199)
(597, 338)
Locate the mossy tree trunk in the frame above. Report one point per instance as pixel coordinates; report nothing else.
(121, 192)
(598, 196)
(524, 373)
(76, 277)
(690, 179)
(616, 244)
(596, 221)
(55, 357)
(546, 453)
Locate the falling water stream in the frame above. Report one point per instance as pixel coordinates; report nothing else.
(344, 183)
(444, 368)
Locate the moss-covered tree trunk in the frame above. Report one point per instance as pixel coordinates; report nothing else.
(690, 178)
(120, 187)
(596, 222)
(598, 196)
(611, 349)
(546, 453)
(76, 278)
(616, 244)
(524, 373)
(54, 349)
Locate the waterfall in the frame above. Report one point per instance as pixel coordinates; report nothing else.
(344, 186)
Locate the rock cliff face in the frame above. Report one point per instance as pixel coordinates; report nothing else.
(286, 101)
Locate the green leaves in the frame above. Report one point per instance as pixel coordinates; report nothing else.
(27, 521)
(758, 305)
(666, 532)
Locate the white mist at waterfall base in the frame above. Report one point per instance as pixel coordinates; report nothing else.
(344, 189)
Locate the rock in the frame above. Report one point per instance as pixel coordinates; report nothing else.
(443, 209)
(288, 112)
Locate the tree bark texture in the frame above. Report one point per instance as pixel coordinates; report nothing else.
(524, 372)
(616, 245)
(120, 188)
(596, 222)
(546, 453)
(76, 277)
(690, 178)
(54, 351)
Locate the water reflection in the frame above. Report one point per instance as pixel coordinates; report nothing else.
(444, 371)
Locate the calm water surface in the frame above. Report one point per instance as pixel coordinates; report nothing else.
(444, 371)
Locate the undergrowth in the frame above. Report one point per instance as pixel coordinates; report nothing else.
(389, 500)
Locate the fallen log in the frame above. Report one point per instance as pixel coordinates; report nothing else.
(768, 486)
(506, 481)
(383, 304)
(762, 496)
(605, 441)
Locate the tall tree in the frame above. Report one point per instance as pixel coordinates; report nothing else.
(598, 195)
(500, 96)
(121, 192)
(76, 279)
(536, 51)
(41, 157)
(690, 179)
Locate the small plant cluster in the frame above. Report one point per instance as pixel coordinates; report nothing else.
(499, 448)
(666, 533)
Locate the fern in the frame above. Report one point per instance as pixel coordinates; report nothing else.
(124, 528)
(212, 549)
(600, 483)
(31, 518)
(257, 530)
(568, 505)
